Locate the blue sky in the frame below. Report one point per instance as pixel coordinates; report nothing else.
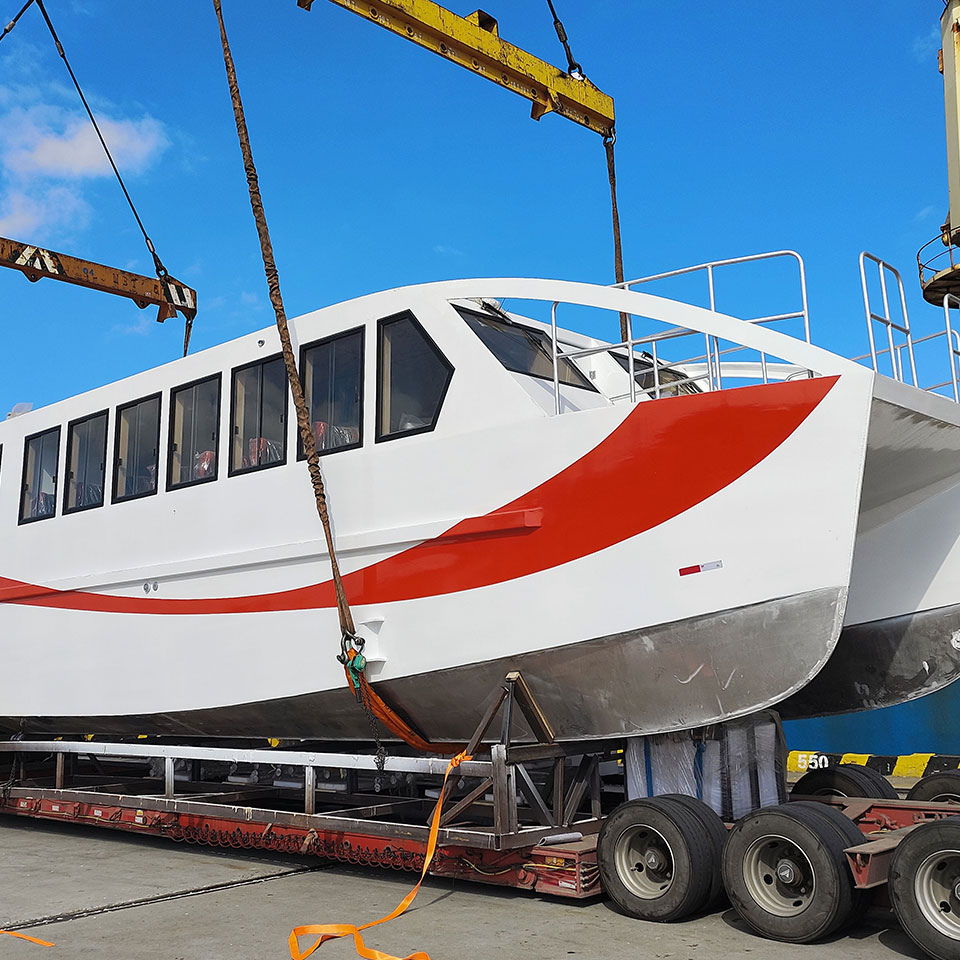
(740, 130)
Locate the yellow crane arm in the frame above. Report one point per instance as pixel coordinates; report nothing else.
(474, 42)
(171, 296)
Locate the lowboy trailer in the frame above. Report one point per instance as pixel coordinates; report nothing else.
(536, 815)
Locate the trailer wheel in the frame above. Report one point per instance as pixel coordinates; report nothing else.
(655, 859)
(717, 831)
(786, 873)
(925, 887)
(851, 836)
(845, 780)
(937, 788)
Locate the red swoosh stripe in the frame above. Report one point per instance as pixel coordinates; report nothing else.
(666, 457)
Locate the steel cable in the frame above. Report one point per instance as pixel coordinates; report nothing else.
(158, 264)
(13, 22)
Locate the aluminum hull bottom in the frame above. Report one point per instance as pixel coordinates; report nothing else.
(673, 676)
(883, 663)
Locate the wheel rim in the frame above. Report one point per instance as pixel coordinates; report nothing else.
(778, 876)
(644, 861)
(937, 889)
(948, 797)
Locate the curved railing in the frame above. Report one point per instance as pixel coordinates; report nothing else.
(715, 356)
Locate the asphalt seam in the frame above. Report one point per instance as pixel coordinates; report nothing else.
(162, 898)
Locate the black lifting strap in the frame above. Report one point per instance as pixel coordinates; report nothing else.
(575, 70)
(608, 142)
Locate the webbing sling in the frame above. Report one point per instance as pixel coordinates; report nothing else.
(333, 931)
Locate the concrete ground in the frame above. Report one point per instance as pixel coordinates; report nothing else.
(100, 895)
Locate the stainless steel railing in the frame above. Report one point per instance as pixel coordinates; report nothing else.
(713, 352)
(901, 351)
(892, 327)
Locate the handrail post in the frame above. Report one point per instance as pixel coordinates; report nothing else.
(631, 362)
(656, 370)
(713, 309)
(888, 323)
(869, 315)
(953, 345)
(804, 306)
(908, 334)
(556, 359)
(955, 365)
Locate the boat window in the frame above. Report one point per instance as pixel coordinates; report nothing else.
(194, 433)
(86, 462)
(136, 449)
(38, 496)
(413, 377)
(522, 349)
(673, 383)
(258, 434)
(332, 375)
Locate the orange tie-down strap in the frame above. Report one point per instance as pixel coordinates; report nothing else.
(381, 710)
(23, 936)
(333, 931)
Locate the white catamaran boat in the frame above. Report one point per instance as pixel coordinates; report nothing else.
(655, 545)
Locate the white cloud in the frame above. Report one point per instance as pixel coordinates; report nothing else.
(924, 213)
(927, 45)
(23, 213)
(49, 150)
(446, 251)
(136, 328)
(52, 142)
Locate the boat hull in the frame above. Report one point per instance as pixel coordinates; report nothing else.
(882, 664)
(901, 635)
(673, 676)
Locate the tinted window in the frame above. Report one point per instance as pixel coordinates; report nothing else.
(413, 377)
(259, 412)
(137, 449)
(332, 372)
(38, 497)
(194, 433)
(86, 462)
(672, 382)
(522, 349)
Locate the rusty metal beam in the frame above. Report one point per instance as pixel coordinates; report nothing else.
(169, 295)
(474, 42)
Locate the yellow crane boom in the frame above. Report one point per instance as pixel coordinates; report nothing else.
(474, 43)
(169, 295)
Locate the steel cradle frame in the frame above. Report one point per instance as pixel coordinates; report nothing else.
(534, 836)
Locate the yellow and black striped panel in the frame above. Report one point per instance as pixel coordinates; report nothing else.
(904, 765)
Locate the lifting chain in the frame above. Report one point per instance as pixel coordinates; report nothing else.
(356, 663)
